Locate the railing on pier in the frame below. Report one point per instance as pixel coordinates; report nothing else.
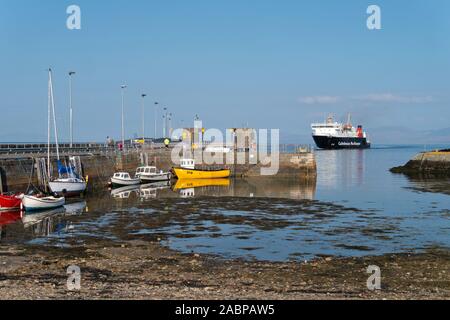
(40, 149)
(296, 148)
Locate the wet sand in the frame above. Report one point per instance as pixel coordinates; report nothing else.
(146, 270)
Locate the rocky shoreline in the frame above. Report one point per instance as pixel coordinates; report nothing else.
(147, 270)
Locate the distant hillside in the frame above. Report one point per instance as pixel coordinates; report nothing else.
(401, 135)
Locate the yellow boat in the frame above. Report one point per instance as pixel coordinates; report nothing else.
(198, 183)
(182, 173)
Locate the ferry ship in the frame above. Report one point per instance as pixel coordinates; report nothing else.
(335, 135)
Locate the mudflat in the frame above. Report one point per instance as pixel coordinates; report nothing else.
(147, 270)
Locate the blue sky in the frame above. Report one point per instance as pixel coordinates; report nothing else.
(271, 64)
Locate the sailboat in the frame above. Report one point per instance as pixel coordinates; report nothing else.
(68, 182)
(41, 202)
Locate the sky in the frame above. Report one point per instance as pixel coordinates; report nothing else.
(266, 64)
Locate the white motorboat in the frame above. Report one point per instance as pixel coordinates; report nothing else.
(33, 203)
(151, 174)
(124, 179)
(67, 186)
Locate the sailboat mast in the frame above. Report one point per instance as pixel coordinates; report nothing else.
(54, 116)
(48, 125)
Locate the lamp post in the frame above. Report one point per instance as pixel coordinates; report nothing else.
(164, 122)
(170, 125)
(156, 116)
(143, 118)
(123, 87)
(71, 73)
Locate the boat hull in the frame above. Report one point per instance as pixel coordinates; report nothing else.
(155, 177)
(125, 182)
(67, 188)
(326, 142)
(9, 203)
(201, 174)
(31, 203)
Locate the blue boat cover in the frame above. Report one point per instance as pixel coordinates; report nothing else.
(65, 170)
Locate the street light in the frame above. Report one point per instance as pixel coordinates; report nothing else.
(143, 118)
(71, 73)
(164, 122)
(156, 116)
(123, 87)
(170, 125)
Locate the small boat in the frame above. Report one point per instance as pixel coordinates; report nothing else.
(151, 174)
(124, 179)
(187, 170)
(10, 202)
(201, 174)
(33, 203)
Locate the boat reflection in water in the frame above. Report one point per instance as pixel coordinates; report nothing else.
(124, 192)
(8, 218)
(145, 191)
(76, 208)
(270, 187)
(206, 187)
(247, 188)
(44, 223)
(150, 191)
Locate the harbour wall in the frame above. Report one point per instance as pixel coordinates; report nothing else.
(427, 163)
(16, 173)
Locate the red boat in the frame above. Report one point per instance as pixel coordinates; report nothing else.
(9, 202)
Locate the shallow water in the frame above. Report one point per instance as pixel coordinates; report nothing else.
(355, 208)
